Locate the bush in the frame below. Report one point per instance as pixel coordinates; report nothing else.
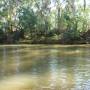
(71, 35)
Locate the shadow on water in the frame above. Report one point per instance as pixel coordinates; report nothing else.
(44, 68)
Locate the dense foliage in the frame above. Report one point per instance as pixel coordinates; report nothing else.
(44, 21)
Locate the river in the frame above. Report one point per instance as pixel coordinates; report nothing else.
(44, 67)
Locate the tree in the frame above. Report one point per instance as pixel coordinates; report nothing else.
(27, 20)
(44, 19)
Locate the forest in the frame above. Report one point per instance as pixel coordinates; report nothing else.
(44, 22)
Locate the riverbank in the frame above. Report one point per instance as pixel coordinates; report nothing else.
(48, 41)
(17, 37)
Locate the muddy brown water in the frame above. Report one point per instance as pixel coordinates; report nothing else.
(45, 67)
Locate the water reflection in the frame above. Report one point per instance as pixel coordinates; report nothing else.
(16, 58)
(53, 64)
(45, 68)
(4, 61)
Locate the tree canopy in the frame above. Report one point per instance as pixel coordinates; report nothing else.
(43, 21)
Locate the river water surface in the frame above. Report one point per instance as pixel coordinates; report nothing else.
(44, 67)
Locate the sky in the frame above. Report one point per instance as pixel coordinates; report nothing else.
(80, 2)
(87, 2)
